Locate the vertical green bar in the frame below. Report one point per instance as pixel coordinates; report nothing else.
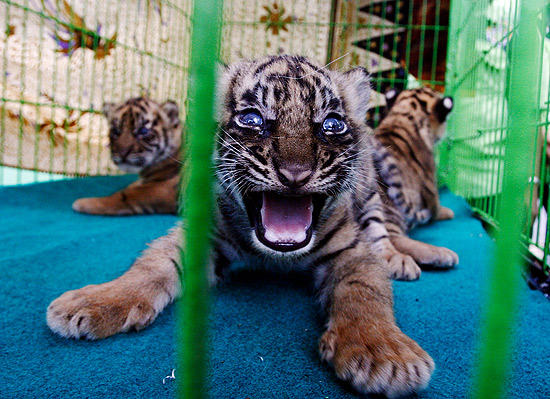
(198, 198)
(504, 280)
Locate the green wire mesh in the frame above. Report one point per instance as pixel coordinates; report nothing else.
(494, 74)
(479, 76)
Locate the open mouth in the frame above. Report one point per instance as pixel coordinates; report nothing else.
(283, 223)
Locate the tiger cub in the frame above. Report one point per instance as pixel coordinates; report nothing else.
(294, 172)
(404, 159)
(144, 138)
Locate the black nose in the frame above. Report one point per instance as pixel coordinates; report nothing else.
(294, 177)
(124, 152)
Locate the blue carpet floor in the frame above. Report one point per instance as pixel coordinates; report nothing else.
(265, 328)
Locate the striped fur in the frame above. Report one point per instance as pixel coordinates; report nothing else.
(293, 151)
(144, 138)
(404, 160)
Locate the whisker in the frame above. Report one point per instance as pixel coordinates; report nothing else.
(177, 160)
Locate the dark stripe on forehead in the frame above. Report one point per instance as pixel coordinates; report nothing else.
(231, 101)
(259, 88)
(263, 66)
(302, 82)
(249, 97)
(328, 96)
(426, 91)
(278, 93)
(316, 80)
(296, 70)
(296, 67)
(128, 116)
(422, 103)
(417, 95)
(308, 93)
(139, 103)
(334, 103)
(314, 68)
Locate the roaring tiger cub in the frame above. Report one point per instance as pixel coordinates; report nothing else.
(404, 159)
(144, 138)
(294, 172)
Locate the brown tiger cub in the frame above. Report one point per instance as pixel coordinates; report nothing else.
(294, 172)
(144, 138)
(405, 140)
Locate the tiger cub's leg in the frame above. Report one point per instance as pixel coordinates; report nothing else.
(400, 266)
(137, 198)
(362, 340)
(131, 301)
(423, 253)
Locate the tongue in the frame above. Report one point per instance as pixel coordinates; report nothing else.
(286, 219)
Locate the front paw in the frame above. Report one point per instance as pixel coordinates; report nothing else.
(98, 311)
(445, 213)
(87, 205)
(422, 217)
(403, 267)
(438, 258)
(388, 363)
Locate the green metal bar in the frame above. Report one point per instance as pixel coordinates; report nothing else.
(38, 109)
(505, 276)
(198, 198)
(332, 27)
(420, 64)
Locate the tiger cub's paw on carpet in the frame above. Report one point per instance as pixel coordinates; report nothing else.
(99, 311)
(426, 254)
(403, 267)
(445, 213)
(388, 363)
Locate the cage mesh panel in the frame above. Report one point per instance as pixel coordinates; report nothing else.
(401, 43)
(478, 77)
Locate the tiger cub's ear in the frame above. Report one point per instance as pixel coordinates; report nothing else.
(108, 109)
(390, 96)
(172, 111)
(442, 108)
(357, 88)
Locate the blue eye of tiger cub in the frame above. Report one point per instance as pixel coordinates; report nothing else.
(250, 118)
(143, 132)
(333, 124)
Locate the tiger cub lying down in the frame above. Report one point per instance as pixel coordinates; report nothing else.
(294, 173)
(404, 159)
(144, 137)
